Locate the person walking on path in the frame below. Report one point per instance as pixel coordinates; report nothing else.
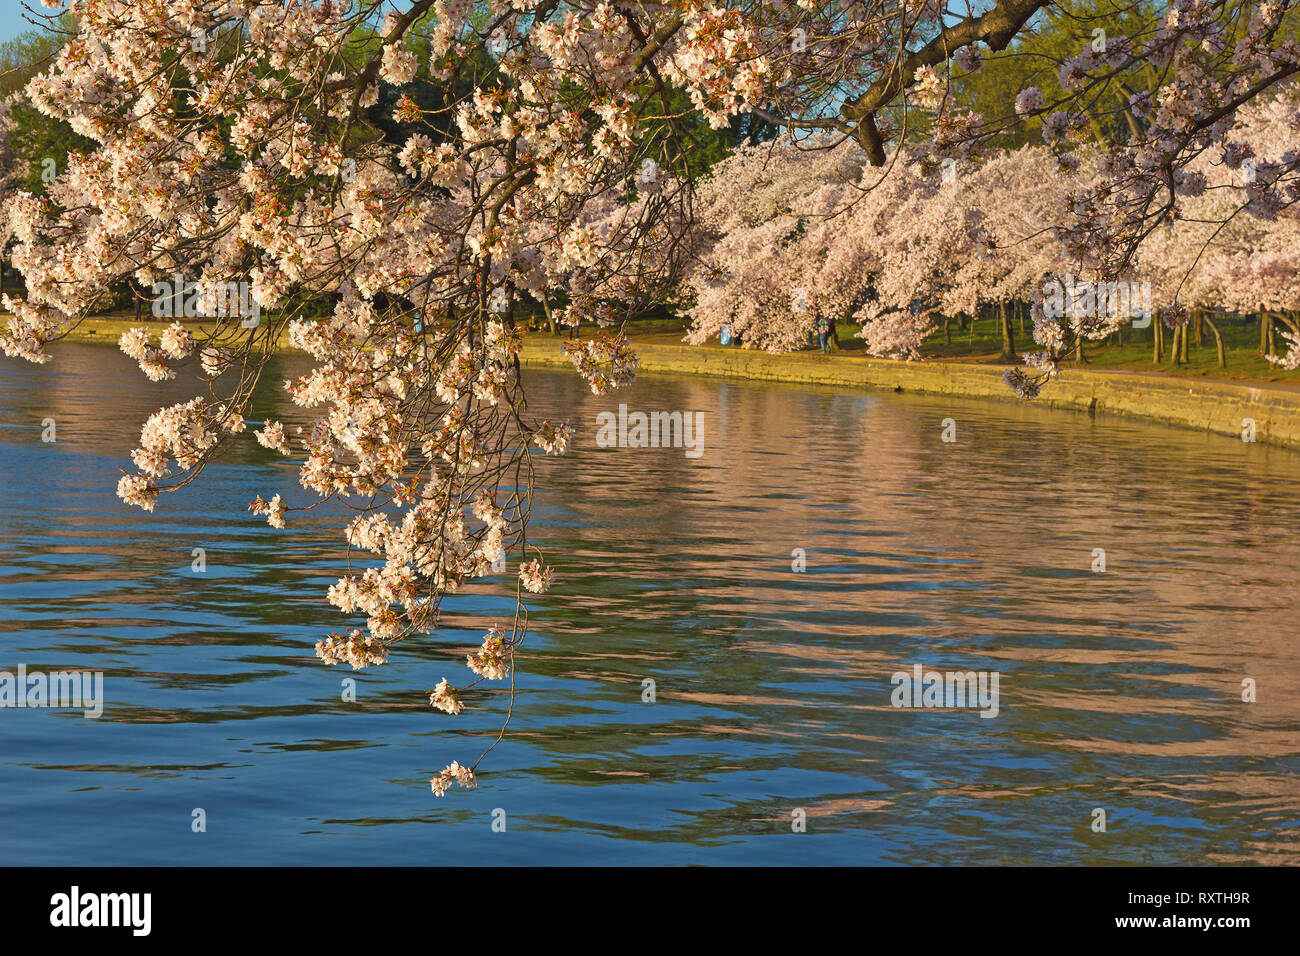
(824, 334)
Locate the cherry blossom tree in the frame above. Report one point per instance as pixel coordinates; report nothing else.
(767, 234)
(788, 233)
(281, 143)
(236, 141)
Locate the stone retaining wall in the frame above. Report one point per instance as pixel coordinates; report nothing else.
(1220, 407)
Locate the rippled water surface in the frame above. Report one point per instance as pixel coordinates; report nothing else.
(1119, 690)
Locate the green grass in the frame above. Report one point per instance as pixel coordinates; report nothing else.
(982, 343)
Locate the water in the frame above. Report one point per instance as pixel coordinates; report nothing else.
(1119, 690)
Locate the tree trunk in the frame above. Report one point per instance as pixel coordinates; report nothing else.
(1286, 320)
(1218, 341)
(1008, 336)
(1157, 343)
(947, 330)
(550, 319)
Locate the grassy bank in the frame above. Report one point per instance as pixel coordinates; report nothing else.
(981, 343)
(106, 330)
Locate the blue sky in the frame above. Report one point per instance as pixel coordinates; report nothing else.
(11, 17)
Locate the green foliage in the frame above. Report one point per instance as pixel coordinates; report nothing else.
(25, 55)
(1062, 31)
(39, 138)
(1058, 33)
(36, 137)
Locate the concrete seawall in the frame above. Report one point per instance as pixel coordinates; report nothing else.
(1220, 407)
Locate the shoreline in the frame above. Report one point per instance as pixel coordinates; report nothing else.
(1208, 405)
